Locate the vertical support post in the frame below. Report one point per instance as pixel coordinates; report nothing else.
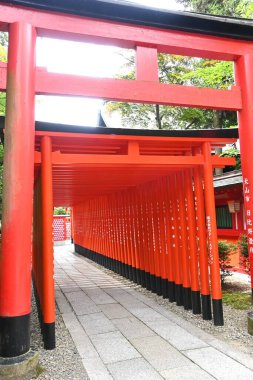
(176, 254)
(187, 293)
(202, 248)
(170, 242)
(244, 78)
(191, 222)
(146, 64)
(212, 237)
(15, 263)
(148, 261)
(48, 304)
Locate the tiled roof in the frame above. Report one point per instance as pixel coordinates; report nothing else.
(228, 179)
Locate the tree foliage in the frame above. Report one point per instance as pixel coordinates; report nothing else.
(174, 69)
(231, 8)
(234, 153)
(3, 58)
(4, 39)
(60, 211)
(244, 253)
(180, 70)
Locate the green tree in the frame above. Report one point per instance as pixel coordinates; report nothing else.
(218, 7)
(231, 8)
(235, 153)
(190, 71)
(3, 58)
(4, 39)
(244, 253)
(60, 211)
(173, 69)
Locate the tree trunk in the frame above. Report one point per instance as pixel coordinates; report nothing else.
(217, 124)
(158, 117)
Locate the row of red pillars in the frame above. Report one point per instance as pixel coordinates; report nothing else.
(156, 235)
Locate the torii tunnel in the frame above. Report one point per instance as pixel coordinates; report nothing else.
(143, 201)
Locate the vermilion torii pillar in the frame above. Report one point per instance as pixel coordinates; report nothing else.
(47, 302)
(212, 239)
(244, 78)
(15, 263)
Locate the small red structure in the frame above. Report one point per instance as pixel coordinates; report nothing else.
(143, 202)
(230, 210)
(61, 228)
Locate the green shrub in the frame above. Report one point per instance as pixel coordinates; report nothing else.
(244, 253)
(60, 211)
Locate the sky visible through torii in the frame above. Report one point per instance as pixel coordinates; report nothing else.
(81, 59)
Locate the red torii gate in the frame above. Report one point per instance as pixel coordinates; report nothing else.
(22, 81)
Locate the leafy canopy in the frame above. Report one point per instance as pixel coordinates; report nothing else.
(175, 69)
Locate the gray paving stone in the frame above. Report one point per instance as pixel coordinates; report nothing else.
(130, 302)
(219, 365)
(159, 353)
(115, 310)
(82, 342)
(175, 335)
(62, 303)
(148, 338)
(191, 372)
(134, 369)
(98, 296)
(113, 347)
(96, 323)
(84, 346)
(230, 351)
(132, 328)
(69, 288)
(96, 370)
(71, 321)
(146, 314)
(81, 303)
(116, 293)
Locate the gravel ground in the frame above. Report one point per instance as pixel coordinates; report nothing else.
(234, 331)
(63, 363)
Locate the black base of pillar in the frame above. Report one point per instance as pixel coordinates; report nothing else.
(134, 271)
(15, 335)
(179, 294)
(47, 329)
(143, 279)
(171, 291)
(196, 305)
(218, 313)
(152, 283)
(113, 265)
(130, 273)
(187, 294)
(206, 307)
(158, 282)
(165, 288)
(49, 335)
(148, 283)
(127, 270)
(138, 276)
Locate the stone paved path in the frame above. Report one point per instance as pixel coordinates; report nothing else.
(121, 334)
